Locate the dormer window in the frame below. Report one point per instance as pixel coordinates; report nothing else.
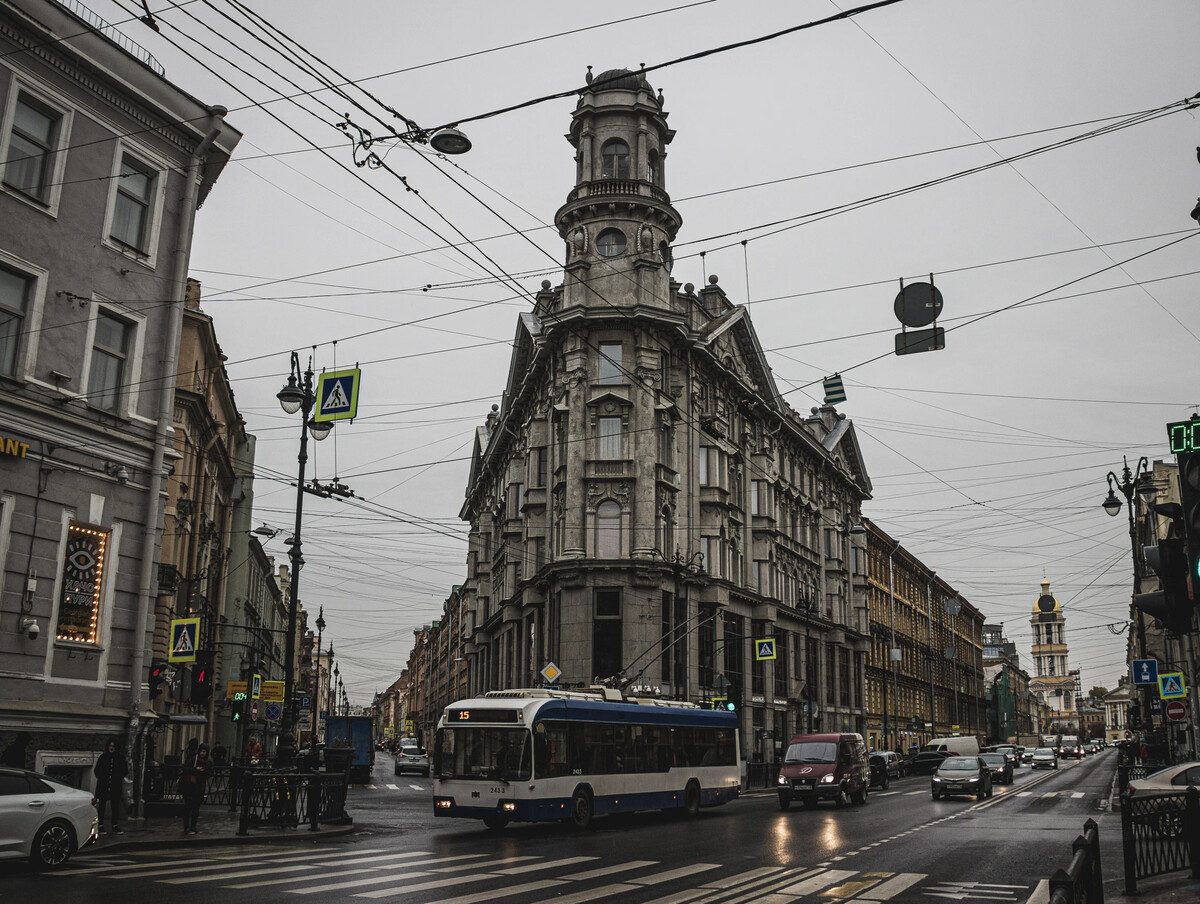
(614, 160)
(610, 243)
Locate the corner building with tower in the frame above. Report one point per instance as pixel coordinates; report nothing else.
(645, 507)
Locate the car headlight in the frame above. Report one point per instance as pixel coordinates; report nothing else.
(936, 780)
(782, 780)
(827, 779)
(975, 779)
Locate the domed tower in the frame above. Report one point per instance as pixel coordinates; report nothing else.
(1052, 681)
(618, 222)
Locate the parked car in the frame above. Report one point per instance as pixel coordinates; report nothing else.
(412, 759)
(926, 762)
(1172, 780)
(1001, 766)
(1044, 758)
(962, 775)
(896, 766)
(43, 819)
(879, 772)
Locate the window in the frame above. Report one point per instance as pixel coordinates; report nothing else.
(652, 167)
(29, 165)
(82, 576)
(712, 467)
(131, 210)
(609, 432)
(758, 497)
(608, 530)
(516, 499)
(606, 633)
(610, 243)
(15, 289)
(537, 467)
(110, 351)
(614, 160)
(610, 363)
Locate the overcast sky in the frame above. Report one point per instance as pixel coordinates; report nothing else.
(988, 458)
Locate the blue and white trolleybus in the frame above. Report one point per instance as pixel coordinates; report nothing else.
(539, 754)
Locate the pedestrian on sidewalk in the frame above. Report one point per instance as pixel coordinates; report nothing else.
(110, 771)
(191, 784)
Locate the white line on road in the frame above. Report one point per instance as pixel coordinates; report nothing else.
(392, 787)
(892, 887)
(679, 873)
(377, 880)
(418, 787)
(609, 870)
(511, 890)
(818, 882)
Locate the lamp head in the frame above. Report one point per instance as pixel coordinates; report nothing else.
(291, 397)
(449, 141)
(1112, 504)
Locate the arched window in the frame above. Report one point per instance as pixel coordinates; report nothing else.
(610, 243)
(614, 160)
(652, 167)
(608, 530)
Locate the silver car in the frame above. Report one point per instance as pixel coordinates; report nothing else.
(1044, 758)
(43, 819)
(1172, 780)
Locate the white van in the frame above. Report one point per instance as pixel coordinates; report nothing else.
(963, 745)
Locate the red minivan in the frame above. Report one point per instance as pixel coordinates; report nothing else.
(820, 767)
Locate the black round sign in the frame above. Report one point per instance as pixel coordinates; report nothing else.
(918, 304)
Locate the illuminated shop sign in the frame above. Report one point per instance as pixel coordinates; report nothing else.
(82, 574)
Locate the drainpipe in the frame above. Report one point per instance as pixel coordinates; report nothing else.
(162, 434)
(932, 697)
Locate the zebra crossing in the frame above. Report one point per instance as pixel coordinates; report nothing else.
(426, 877)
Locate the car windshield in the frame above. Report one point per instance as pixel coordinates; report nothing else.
(1043, 751)
(993, 759)
(959, 764)
(811, 752)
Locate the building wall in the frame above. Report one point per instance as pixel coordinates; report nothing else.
(83, 457)
(644, 505)
(936, 688)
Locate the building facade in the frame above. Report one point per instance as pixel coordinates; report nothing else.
(925, 670)
(645, 507)
(104, 164)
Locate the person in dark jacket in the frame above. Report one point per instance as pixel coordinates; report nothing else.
(191, 784)
(110, 771)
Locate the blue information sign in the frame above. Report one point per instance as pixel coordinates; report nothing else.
(1145, 671)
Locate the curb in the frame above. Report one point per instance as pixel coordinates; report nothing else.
(176, 841)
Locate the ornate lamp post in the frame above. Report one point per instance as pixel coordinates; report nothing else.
(317, 674)
(1131, 483)
(296, 395)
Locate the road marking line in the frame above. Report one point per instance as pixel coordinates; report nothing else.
(892, 887)
(744, 877)
(818, 882)
(392, 787)
(609, 870)
(532, 867)
(499, 893)
(377, 880)
(260, 871)
(418, 787)
(1077, 794)
(679, 873)
(357, 871)
(1041, 892)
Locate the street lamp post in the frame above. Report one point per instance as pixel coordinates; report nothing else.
(1131, 483)
(296, 395)
(317, 683)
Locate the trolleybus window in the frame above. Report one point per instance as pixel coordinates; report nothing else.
(484, 753)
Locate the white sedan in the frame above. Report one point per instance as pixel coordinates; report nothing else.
(43, 819)
(1172, 780)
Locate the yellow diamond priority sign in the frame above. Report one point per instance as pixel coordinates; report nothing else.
(551, 672)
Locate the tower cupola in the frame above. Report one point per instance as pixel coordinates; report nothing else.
(619, 217)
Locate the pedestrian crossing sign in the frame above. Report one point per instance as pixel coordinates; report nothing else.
(1170, 685)
(184, 632)
(764, 649)
(337, 395)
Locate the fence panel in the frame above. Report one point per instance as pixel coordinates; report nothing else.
(288, 800)
(1159, 835)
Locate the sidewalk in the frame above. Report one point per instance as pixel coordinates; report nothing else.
(217, 825)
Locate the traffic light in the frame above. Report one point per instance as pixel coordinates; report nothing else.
(1170, 604)
(1189, 497)
(202, 677)
(158, 669)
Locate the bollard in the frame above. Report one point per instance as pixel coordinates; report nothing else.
(1191, 825)
(1091, 831)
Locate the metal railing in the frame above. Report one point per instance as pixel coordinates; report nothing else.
(291, 799)
(1160, 834)
(1082, 881)
(130, 46)
(761, 775)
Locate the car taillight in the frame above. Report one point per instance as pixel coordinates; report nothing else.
(94, 803)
